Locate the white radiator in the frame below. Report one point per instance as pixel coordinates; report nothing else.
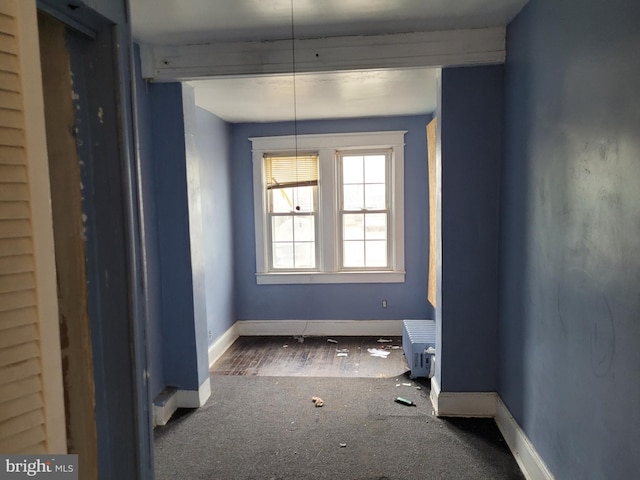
(417, 336)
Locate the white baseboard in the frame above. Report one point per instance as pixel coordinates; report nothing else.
(224, 341)
(194, 398)
(434, 394)
(489, 404)
(320, 327)
(524, 452)
(462, 404)
(164, 406)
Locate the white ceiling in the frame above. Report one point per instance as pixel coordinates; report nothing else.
(198, 21)
(317, 95)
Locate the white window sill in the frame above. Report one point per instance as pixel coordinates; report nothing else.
(287, 278)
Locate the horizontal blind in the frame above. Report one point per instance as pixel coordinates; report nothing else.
(286, 171)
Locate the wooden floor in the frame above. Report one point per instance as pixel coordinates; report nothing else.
(314, 357)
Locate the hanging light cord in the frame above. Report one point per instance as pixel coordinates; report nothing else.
(295, 98)
(295, 123)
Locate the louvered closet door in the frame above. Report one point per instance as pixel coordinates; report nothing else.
(31, 408)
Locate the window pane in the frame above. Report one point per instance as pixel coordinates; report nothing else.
(283, 255)
(353, 197)
(303, 199)
(304, 228)
(282, 228)
(353, 254)
(305, 255)
(375, 197)
(376, 253)
(294, 241)
(281, 200)
(376, 226)
(374, 169)
(353, 226)
(352, 171)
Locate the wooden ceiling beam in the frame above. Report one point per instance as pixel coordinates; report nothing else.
(484, 46)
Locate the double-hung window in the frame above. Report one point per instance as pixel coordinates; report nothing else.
(364, 209)
(329, 208)
(291, 183)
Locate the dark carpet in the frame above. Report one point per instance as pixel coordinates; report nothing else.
(268, 428)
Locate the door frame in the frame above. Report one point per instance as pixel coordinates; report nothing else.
(125, 439)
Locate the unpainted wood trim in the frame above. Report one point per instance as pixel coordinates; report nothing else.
(66, 200)
(432, 139)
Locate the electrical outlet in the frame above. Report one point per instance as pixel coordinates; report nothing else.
(210, 334)
(384, 304)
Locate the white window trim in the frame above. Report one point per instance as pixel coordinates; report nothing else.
(326, 145)
(387, 210)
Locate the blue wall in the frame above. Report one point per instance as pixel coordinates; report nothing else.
(346, 301)
(213, 144)
(186, 188)
(180, 345)
(150, 235)
(570, 263)
(471, 149)
(196, 245)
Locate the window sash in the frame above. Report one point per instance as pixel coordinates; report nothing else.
(287, 171)
(293, 241)
(343, 213)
